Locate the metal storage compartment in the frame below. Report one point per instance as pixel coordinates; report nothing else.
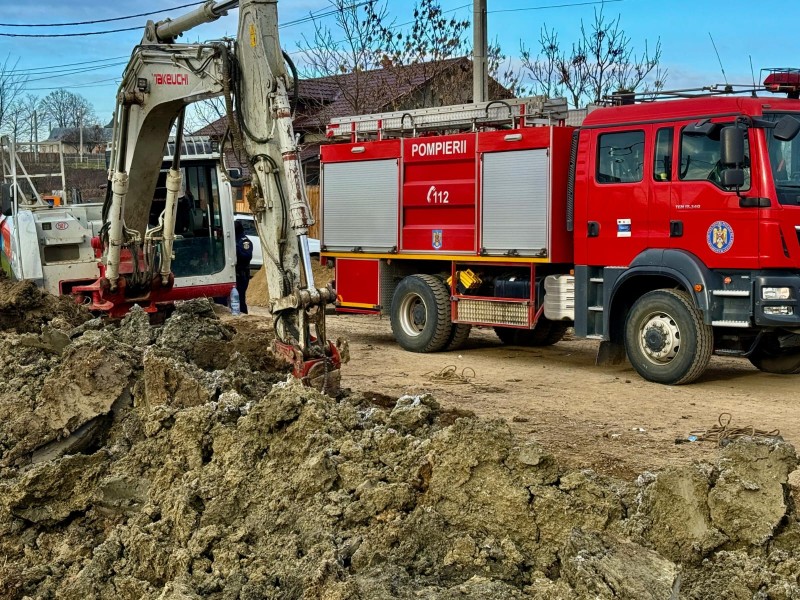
(559, 297)
(515, 200)
(438, 210)
(361, 280)
(359, 204)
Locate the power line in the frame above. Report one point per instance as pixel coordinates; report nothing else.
(77, 72)
(299, 21)
(60, 35)
(145, 14)
(457, 8)
(571, 4)
(32, 70)
(313, 16)
(90, 84)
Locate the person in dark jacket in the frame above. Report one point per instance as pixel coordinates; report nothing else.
(244, 254)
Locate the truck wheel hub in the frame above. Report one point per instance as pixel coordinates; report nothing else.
(660, 338)
(412, 315)
(418, 315)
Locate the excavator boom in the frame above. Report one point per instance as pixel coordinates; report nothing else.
(161, 79)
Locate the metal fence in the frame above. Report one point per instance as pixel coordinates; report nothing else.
(89, 161)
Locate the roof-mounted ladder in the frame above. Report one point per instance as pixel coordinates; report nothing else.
(516, 112)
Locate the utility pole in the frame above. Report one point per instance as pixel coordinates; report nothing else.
(480, 50)
(35, 136)
(80, 134)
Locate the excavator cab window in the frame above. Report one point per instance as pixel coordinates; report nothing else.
(199, 246)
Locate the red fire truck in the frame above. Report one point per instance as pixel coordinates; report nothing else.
(668, 229)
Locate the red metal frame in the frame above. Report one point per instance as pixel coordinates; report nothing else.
(97, 295)
(530, 302)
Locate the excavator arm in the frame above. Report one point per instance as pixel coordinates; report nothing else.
(161, 79)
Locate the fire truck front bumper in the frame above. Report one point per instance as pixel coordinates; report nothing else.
(777, 301)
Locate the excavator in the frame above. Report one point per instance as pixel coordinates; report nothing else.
(252, 75)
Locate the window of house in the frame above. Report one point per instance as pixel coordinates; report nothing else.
(662, 163)
(701, 159)
(620, 157)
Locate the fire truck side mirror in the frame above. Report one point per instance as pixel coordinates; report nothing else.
(732, 146)
(786, 128)
(732, 157)
(732, 178)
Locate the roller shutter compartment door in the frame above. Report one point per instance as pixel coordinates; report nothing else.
(360, 205)
(516, 192)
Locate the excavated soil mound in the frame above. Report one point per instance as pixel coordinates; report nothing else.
(258, 294)
(204, 478)
(25, 308)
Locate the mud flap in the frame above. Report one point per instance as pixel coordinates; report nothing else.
(610, 353)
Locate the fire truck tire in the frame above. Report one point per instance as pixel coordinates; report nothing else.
(420, 314)
(556, 333)
(545, 333)
(768, 357)
(458, 335)
(666, 339)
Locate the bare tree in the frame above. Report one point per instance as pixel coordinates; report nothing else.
(204, 113)
(422, 53)
(12, 85)
(347, 54)
(601, 62)
(545, 71)
(432, 37)
(378, 66)
(15, 124)
(63, 108)
(30, 105)
(93, 137)
(504, 73)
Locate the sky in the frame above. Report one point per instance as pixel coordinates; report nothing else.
(764, 33)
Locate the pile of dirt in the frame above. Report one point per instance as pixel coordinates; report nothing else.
(258, 294)
(211, 475)
(25, 308)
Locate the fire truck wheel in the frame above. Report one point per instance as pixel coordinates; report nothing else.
(769, 357)
(666, 339)
(421, 314)
(545, 333)
(458, 335)
(556, 333)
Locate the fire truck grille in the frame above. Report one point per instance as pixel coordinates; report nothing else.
(501, 313)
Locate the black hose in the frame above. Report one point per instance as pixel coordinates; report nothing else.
(176, 156)
(295, 82)
(237, 98)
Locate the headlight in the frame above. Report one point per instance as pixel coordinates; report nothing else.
(775, 293)
(780, 310)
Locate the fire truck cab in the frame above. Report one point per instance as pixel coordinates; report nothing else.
(687, 232)
(667, 229)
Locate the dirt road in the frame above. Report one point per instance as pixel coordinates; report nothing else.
(607, 419)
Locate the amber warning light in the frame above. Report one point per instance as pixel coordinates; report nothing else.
(784, 80)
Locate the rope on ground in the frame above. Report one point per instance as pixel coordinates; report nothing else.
(723, 433)
(450, 375)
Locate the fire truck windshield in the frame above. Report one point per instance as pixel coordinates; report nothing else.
(784, 159)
